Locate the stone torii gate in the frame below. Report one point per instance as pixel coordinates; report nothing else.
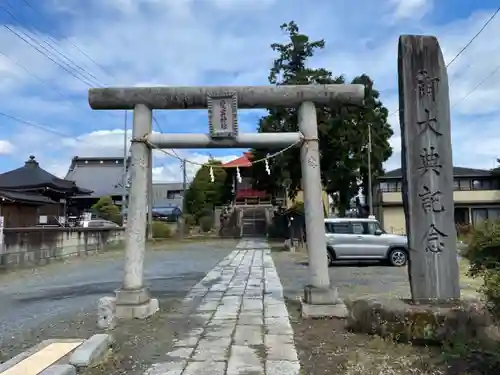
(133, 299)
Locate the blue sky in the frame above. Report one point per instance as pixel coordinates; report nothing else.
(226, 42)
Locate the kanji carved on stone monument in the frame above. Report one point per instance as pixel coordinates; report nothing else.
(435, 243)
(429, 158)
(431, 200)
(430, 123)
(426, 85)
(427, 166)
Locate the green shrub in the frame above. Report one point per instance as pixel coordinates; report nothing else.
(483, 253)
(161, 230)
(207, 211)
(206, 223)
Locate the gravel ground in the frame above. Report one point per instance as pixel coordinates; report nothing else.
(355, 279)
(325, 346)
(59, 301)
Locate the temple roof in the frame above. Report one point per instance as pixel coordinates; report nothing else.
(32, 176)
(457, 172)
(242, 162)
(102, 175)
(16, 196)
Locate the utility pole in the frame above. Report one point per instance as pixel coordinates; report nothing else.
(125, 158)
(370, 188)
(183, 204)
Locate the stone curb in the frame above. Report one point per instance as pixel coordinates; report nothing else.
(91, 351)
(59, 370)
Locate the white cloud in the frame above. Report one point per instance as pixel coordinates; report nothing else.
(6, 147)
(415, 9)
(195, 42)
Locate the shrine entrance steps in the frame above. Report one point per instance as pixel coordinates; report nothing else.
(254, 221)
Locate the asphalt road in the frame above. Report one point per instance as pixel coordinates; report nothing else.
(30, 299)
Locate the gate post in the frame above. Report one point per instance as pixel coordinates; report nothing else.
(320, 299)
(133, 300)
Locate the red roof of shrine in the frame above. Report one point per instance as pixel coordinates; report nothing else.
(242, 162)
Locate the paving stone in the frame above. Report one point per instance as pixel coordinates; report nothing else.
(220, 328)
(246, 319)
(244, 360)
(276, 311)
(222, 315)
(278, 326)
(212, 349)
(277, 340)
(240, 301)
(205, 368)
(284, 352)
(213, 296)
(282, 367)
(180, 353)
(210, 305)
(252, 304)
(248, 335)
(166, 368)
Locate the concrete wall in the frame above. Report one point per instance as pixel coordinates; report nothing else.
(38, 245)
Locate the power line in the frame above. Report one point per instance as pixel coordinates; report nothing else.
(75, 66)
(465, 47)
(69, 41)
(48, 57)
(41, 127)
(81, 51)
(66, 67)
(491, 74)
(32, 74)
(475, 36)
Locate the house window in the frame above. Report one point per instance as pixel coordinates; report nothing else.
(390, 187)
(456, 185)
(464, 184)
(482, 214)
(173, 194)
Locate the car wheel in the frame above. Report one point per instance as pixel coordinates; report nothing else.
(330, 257)
(398, 257)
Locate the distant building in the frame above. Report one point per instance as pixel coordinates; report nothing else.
(30, 193)
(476, 196)
(245, 194)
(102, 175)
(168, 199)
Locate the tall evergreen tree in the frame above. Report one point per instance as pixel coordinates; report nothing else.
(342, 129)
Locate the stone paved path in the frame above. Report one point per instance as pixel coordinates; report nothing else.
(245, 330)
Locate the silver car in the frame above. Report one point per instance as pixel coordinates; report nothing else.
(363, 239)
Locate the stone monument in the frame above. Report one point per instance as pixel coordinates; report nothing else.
(426, 159)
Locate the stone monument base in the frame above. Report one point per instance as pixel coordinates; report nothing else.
(322, 303)
(128, 304)
(425, 323)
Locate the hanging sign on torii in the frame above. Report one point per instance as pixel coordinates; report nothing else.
(223, 114)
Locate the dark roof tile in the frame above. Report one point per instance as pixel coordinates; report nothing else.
(457, 172)
(31, 175)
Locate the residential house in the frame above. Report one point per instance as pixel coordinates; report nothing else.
(476, 195)
(30, 195)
